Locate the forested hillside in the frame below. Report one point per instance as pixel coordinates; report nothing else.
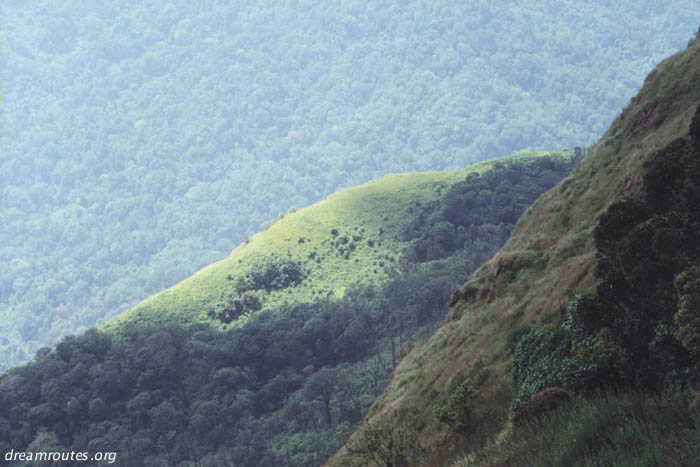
(262, 358)
(141, 140)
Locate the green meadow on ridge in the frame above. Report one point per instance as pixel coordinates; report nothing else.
(353, 237)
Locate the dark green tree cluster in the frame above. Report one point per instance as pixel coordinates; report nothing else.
(271, 274)
(640, 328)
(502, 194)
(269, 393)
(234, 306)
(141, 140)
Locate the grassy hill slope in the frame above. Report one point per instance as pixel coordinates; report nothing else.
(355, 236)
(550, 257)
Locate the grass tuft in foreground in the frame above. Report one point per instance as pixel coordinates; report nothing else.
(613, 428)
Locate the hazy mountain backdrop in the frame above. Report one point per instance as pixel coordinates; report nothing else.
(141, 140)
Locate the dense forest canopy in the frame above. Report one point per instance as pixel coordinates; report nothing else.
(142, 140)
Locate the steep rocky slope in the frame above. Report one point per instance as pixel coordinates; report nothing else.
(549, 258)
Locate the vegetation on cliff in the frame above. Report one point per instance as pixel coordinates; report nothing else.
(595, 292)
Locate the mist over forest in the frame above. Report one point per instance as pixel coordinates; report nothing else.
(143, 140)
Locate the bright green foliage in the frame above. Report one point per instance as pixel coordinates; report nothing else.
(543, 359)
(599, 358)
(234, 306)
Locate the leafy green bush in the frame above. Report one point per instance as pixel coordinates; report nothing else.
(457, 413)
(599, 358)
(543, 359)
(273, 274)
(234, 306)
(640, 327)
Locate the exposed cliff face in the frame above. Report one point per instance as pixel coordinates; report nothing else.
(549, 258)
